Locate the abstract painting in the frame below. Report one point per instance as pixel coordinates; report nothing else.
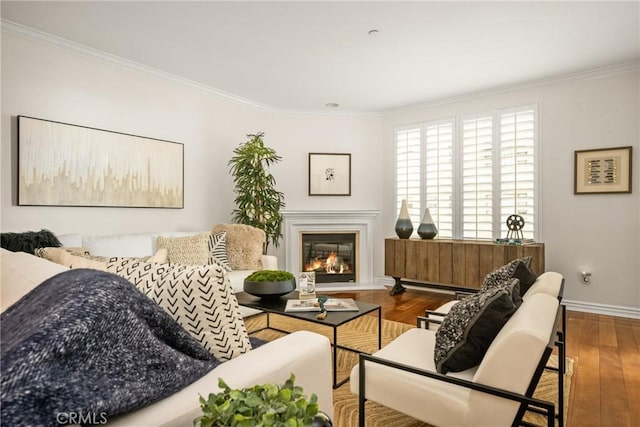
(62, 164)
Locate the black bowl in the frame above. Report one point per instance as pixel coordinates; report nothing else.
(269, 289)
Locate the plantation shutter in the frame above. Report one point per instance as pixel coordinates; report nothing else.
(517, 168)
(408, 172)
(477, 178)
(439, 175)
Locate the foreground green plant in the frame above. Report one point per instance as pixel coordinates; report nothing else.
(258, 406)
(269, 276)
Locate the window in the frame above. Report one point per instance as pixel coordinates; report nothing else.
(471, 172)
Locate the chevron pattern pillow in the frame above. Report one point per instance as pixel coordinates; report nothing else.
(199, 298)
(201, 249)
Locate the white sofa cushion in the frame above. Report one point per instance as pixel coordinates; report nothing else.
(305, 354)
(21, 272)
(199, 298)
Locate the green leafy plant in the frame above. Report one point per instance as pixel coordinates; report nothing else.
(269, 276)
(258, 406)
(258, 203)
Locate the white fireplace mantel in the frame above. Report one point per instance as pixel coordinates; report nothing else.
(308, 221)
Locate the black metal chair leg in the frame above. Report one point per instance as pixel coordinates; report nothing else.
(361, 395)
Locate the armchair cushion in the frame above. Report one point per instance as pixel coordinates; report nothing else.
(244, 245)
(469, 328)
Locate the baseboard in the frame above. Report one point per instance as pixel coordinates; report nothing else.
(586, 307)
(605, 309)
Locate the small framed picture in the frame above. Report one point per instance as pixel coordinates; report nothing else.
(329, 174)
(306, 284)
(605, 170)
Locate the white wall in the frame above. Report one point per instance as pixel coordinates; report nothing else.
(599, 233)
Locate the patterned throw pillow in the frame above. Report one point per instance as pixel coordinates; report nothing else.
(502, 274)
(469, 328)
(199, 298)
(57, 254)
(201, 249)
(81, 258)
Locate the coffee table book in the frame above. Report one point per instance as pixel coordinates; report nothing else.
(332, 304)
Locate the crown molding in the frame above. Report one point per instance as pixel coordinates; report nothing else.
(31, 34)
(595, 73)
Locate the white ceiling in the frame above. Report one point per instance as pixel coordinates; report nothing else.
(301, 55)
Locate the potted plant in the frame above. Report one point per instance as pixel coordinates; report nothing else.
(261, 405)
(269, 283)
(257, 201)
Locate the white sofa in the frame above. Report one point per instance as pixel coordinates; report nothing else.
(144, 244)
(307, 355)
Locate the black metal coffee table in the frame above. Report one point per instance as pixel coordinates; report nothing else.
(334, 319)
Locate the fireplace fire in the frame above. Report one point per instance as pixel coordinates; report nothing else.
(332, 256)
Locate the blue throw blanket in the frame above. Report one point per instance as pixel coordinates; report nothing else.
(89, 345)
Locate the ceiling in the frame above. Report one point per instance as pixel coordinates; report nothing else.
(302, 55)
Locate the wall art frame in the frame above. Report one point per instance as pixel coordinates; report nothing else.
(329, 174)
(62, 164)
(603, 170)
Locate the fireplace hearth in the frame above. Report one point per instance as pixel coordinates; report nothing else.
(332, 256)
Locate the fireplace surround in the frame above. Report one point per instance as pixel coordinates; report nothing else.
(358, 222)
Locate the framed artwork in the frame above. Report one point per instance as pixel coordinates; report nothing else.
(61, 164)
(329, 174)
(604, 170)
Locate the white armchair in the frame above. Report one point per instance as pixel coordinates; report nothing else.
(497, 392)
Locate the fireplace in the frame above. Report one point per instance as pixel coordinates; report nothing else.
(332, 256)
(358, 222)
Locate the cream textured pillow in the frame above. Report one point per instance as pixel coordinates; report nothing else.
(199, 298)
(244, 245)
(201, 249)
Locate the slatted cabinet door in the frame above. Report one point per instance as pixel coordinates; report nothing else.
(453, 263)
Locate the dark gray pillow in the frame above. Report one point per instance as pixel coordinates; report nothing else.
(525, 275)
(469, 328)
(29, 241)
(499, 276)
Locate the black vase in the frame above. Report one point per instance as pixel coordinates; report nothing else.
(427, 229)
(404, 227)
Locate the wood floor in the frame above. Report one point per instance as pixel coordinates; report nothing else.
(606, 380)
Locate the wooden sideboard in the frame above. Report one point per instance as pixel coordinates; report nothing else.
(452, 263)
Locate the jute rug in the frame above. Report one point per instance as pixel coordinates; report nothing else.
(362, 335)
